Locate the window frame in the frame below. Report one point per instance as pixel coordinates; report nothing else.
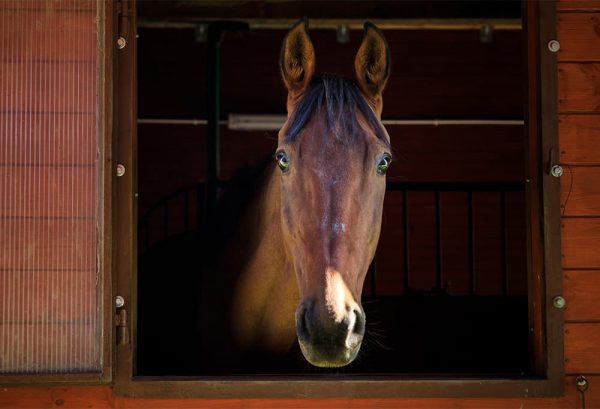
(539, 25)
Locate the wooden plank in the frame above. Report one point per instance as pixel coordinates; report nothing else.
(582, 348)
(47, 35)
(582, 292)
(580, 191)
(54, 244)
(457, 153)
(577, 5)
(578, 87)
(434, 76)
(51, 87)
(390, 249)
(332, 9)
(101, 397)
(579, 36)
(48, 192)
(51, 6)
(580, 242)
(47, 297)
(423, 154)
(49, 139)
(579, 139)
(34, 348)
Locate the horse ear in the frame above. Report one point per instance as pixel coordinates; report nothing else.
(372, 64)
(297, 59)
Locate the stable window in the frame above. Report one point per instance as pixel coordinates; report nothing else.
(467, 255)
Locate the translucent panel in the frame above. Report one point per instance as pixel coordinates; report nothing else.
(49, 171)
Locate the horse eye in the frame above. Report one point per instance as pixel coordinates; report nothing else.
(383, 164)
(282, 161)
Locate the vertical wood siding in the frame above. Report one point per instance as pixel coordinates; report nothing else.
(579, 134)
(48, 187)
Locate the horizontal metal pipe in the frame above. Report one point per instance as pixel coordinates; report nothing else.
(270, 124)
(353, 24)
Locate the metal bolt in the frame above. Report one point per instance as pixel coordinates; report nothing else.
(201, 33)
(119, 301)
(582, 383)
(553, 46)
(559, 302)
(556, 171)
(343, 34)
(486, 34)
(121, 42)
(120, 170)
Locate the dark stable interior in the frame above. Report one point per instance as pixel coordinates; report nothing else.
(447, 291)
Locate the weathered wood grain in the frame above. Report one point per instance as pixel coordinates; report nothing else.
(577, 5)
(33, 191)
(582, 348)
(580, 191)
(101, 397)
(579, 139)
(582, 292)
(579, 36)
(53, 244)
(578, 87)
(581, 242)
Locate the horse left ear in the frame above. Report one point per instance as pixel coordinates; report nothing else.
(297, 59)
(372, 65)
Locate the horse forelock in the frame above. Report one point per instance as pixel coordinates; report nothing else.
(340, 101)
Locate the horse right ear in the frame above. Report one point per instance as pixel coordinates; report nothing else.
(297, 59)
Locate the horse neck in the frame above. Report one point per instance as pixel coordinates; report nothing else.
(265, 293)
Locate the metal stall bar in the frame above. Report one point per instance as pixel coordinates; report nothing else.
(504, 248)
(213, 106)
(471, 234)
(406, 277)
(438, 242)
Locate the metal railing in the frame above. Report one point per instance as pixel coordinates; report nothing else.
(159, 219)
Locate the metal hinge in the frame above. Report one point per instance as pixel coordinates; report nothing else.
(121, 324)
(123, 23)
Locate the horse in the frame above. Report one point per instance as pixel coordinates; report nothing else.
(295, 268)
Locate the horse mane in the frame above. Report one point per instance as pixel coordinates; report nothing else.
(340, 99)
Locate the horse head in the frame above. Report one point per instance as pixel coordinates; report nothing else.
(333, 153)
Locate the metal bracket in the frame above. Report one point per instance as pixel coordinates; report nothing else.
(123, 29)
(582, 385)
(121, 322)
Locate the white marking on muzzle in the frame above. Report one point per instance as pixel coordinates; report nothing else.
(337, 294)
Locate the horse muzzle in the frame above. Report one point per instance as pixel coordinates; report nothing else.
(328, 342)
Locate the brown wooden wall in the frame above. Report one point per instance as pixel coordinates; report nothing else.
(579, 133)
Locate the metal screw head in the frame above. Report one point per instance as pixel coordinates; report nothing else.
(553, 46)
(119, 301)
(121, 42)
(556, 171)
(343, 34)
(559, 302)
(486, 34)
(120, 170)
(582, 383)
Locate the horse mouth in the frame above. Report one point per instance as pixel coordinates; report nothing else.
(324, 357)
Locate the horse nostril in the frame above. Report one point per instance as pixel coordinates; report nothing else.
(302, 327)
(359, 322)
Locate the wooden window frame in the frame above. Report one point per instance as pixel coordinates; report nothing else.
(104, 76)
(544, 249)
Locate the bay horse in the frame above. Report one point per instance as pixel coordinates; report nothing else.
(297, 263)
